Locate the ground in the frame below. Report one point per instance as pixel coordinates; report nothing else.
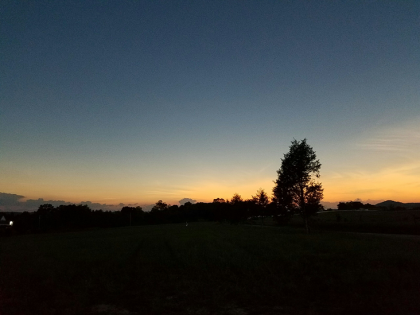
(208, 268)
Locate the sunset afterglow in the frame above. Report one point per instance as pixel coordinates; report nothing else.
(134, 102)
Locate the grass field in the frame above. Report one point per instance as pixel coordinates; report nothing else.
(208, 268)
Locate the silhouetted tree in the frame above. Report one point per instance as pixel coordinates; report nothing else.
(284, 198)
(271, 208)
(173, 214)
(159, 206)
(369, 206)
(342, 206)
(158, 214)
(45, 209)
(72, 215)
(133, 214)
(351, 205)
(46, 217)
(313, 195)
(236, 199)
(237, 210)
(261, 201)
(296, 189)
(220, 209)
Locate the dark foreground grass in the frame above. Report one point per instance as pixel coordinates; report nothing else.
(208, 268)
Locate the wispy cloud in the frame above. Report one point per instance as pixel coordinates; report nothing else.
(13, 202)
(394, 181)
(388, 167)
(185, 200)
(404, 138)
(10, 199)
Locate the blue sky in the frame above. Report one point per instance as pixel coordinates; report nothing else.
(136, 101)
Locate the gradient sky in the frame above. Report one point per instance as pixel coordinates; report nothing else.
(136, 101)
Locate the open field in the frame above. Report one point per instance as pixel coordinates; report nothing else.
(208, 268)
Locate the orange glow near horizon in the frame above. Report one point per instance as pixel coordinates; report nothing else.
(399, 182)
(339, 187)
(376, 172)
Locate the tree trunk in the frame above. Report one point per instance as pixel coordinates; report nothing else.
(303, 209)
(263, 217)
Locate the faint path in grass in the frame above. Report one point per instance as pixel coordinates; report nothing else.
(132, 265)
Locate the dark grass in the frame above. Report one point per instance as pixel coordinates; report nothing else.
(208, 268)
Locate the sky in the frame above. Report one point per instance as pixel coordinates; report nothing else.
(131, 102)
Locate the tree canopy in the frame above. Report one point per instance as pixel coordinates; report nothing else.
(296, 189)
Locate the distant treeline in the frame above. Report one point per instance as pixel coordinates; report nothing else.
(387, 205)
(69, 217)
(295, 192)
(356, 205)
